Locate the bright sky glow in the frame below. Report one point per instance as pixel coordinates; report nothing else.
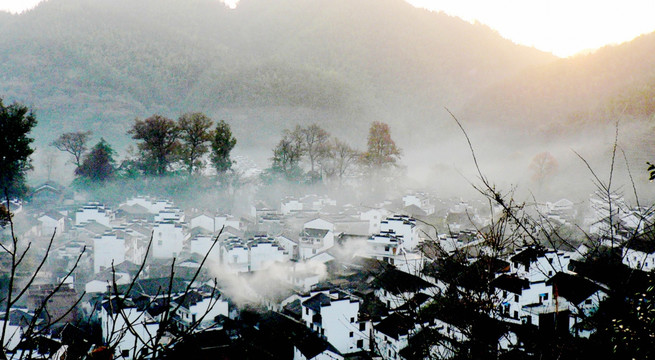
(562, 27)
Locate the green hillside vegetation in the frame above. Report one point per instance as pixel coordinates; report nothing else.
(96, 65)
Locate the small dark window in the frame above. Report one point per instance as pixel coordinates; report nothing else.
(306, 311)
(351, 334)
(360, 343)
(352, 319)
(125, 353)
(516, 298)
(588, 301)
(362, 326)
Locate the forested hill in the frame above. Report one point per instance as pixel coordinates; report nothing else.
(265, 65)
(599, 88)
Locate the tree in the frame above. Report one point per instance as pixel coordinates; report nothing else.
(222, 144)
(195, 134)
(16, 121)
(312, 141)
(543, 165)
(73, 143)
(382, 150)
(339, 158)
(286, 157)
(98, 165)
(159, 142)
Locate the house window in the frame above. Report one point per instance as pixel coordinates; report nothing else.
(125, 353)
(360, 343)
(362, 326)
(588, 301)
(516, 298)
(352, 319)
(516, 314)
(306, 311)
(351, 334)
(386, 248)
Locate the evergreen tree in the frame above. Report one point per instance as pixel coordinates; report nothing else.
(98, 165)
(222, 144)
(16, 121)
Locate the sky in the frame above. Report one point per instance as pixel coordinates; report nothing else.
(561, 27)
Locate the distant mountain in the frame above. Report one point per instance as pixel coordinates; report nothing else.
(263, 66)
(591, 89)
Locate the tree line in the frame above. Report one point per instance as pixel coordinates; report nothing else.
(164, 146)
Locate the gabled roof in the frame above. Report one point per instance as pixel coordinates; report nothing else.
(317, 301)
(396, 282)
(511, 283)
(395, 325)
(643, 244)
(573, 288)
(529, 255)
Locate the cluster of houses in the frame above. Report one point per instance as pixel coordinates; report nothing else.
(351, 282)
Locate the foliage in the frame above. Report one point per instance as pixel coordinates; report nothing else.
(222, 144)
(313, 141)
(159, 143)
(73, 143)
(16, 122)
(338, 159)
(195, 135)
(382, 150)
(543, 166)
(98, 165)
(286, 159)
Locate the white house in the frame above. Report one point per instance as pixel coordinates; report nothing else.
(403, 227)
(93, 212)
(517, 296)
(334, 316)
(420, 200)
(374, 217)
(640, 254)
(201, 243)
(107, 248)
(51, 220)
(290, 205)
(536, 263)
(167, 239)
(127, 324)
(198, 309)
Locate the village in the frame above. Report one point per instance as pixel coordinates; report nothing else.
(311, 278)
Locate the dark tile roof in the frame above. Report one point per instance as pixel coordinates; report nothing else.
(396, 282)
(395, 325)
(529, 255)
(510, 283)
(317, 301)
(573, 288)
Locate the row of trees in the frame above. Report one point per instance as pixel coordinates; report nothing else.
(327, 157)
(162, 143)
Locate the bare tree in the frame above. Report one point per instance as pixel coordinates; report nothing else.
(73, 143)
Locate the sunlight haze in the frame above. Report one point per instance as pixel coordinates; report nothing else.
(561, 27)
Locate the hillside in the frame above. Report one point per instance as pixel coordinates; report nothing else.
(587, 89)
(262, 66)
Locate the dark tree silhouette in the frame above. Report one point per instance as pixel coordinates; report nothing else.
(159, 142)
(195, 134)
(16, 121)
(222, 144)
(98, 165)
